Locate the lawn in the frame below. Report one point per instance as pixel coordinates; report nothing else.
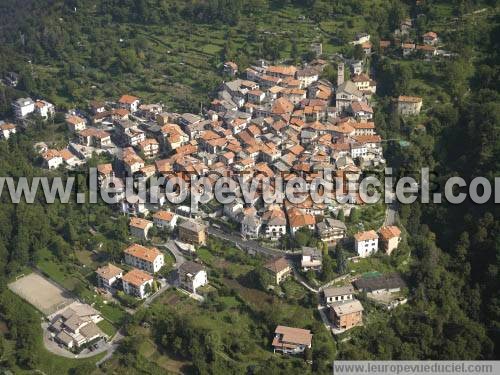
(48, 362)
(108, 328)
(57, 272)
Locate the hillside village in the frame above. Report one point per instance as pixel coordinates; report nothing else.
(264, 121)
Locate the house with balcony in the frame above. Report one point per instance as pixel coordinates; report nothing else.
(192, 276)
(290, 340)
(144, 258)
(137, 283)
(312, 259)
(338, 294)
(108, 276)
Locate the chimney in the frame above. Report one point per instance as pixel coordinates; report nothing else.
(340, 74)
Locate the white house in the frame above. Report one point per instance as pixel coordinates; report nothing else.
(52, 159)
(129, 102)
(338, 294)
(147, 259)
(108, 275)
(6, 130)
(75, 123)
(312, 259)
(192, 276)
(44, 109)
(135, 283)
(366, 243)
(274, 223)
(23, 107)
(165, 219)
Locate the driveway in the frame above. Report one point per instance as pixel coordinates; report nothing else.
(172, 247)
(54, 347)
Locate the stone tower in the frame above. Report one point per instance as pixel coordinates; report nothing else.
(340, 74)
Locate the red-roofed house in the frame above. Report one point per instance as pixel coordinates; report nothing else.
(129, 102)
(366, 243)
(288, 340)
(390, 237)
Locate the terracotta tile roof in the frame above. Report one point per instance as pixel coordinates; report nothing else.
(368, 138)
(105, 168)
(286, 70)
(108, 271)
(142, 252)
(122, 112)
(127, 99)
(137, 277)
(363, 125)
(137, 222)
(296, 336)
(164, 215)
(277, 265)
(93, 132)
(282, 106)
(66, 154)
(299, 220)
(389, 232)
(51, 154)
(74, 120)
(361, 106)
(7, 126)
(366, 235)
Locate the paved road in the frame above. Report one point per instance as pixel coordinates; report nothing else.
(391, 211)
(114, 343)
(172, 247)
(244, 244)
(54, 347)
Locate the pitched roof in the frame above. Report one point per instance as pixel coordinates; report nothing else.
(286, 70)
(164, 215)
(74, 120)
(366, 235)
(138, 222)
(389, 232)
(333, 291)
(294, 335)
(7, 126)
(192, 226)
(137, 277)
(191, 267)
(277, 265)
(282, 106)
(105, 169)
(108, 271)
(142, 252)
(389, 281)
(127, 99)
